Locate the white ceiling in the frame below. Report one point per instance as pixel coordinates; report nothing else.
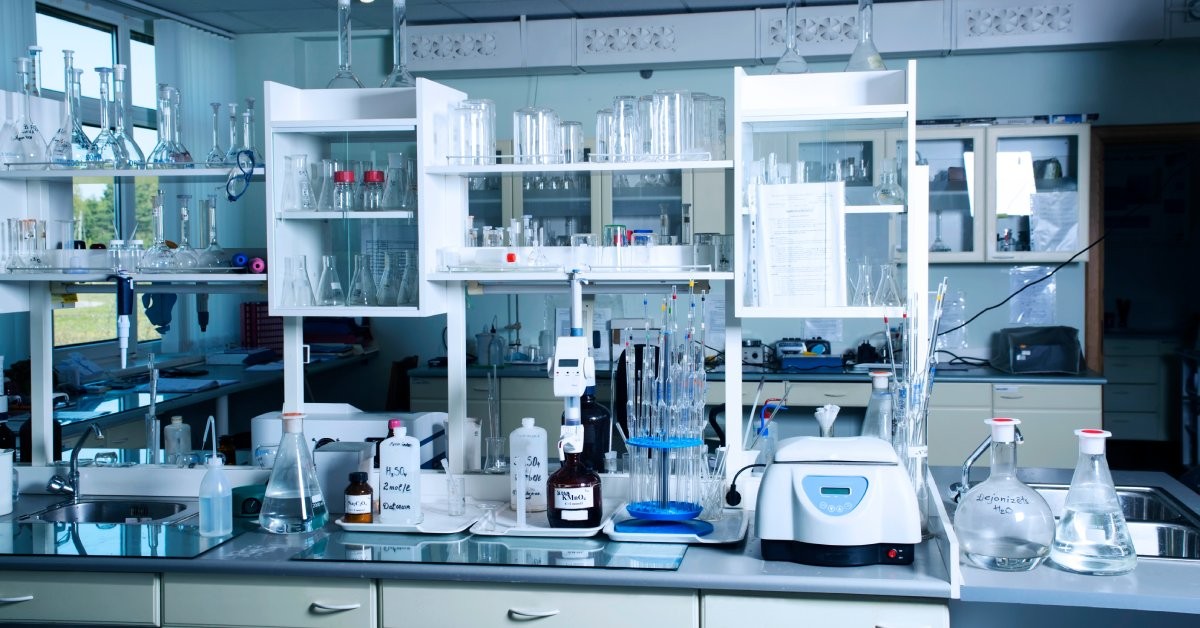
(277, 16)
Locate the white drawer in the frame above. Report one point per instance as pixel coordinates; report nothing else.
(1016, 397)
(956, 395)
(223, 600)
(1132, 398)
(123, 599)
(461, 605)
(721, 611)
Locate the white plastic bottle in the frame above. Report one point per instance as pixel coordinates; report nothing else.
(177, 440)
(216, 500)
(400, 477)
(877, 421)
(528, 444)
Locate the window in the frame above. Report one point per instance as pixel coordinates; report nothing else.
(103, 210)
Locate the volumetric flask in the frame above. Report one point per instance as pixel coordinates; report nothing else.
(329, 291)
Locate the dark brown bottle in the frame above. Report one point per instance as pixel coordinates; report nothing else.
(358, 499)
(574, 493)
(226, 447)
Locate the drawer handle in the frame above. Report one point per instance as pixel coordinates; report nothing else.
(15, 599)
(520, 613)
(833, 396)
(1012, 396)
(318, 607)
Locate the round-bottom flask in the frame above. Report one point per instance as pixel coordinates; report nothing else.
(1002, 524)
(1092, 536)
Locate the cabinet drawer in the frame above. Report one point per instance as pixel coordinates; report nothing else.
(1132, 369)
(1136, 346)
(819, 394)
(223, 600)
(1017, 397)
(1050, 439)
(859, 612)
(123, 599)
(435, 605)
(961, 396)
(437, 389)
(1136, 425)
(955, 432)
(1132, 398)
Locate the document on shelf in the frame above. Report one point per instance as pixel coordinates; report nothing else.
(801, 244)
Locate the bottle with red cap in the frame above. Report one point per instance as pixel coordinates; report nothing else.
(1002, 524)
(372, 192)
(343, 191)
(1092, 536)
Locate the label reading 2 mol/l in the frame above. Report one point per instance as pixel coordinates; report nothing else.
(400, 480)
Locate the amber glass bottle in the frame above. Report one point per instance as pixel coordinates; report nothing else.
(574, 493)
(358, 499)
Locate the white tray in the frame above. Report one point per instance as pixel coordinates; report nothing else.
(730, 528)
(436, 521)
(537, 524)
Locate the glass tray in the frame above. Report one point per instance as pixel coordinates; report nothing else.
(537, 524)
(730, 528)
(436, 521)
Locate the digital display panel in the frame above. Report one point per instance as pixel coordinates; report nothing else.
(834, 490)
(568, 362)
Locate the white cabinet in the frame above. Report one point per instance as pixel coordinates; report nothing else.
(956, 415)
(768, 611)
(285, 602)
(484, 605)
(1049, 416)
(117, 599)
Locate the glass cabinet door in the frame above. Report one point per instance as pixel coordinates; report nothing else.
(956, 169)
(1037, 192)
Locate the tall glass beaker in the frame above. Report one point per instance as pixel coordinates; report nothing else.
(399, 77)
(345, 76)
(69, 146)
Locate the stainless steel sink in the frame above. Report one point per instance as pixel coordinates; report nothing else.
(118, 510)
(1138, 503)
(1165, 540)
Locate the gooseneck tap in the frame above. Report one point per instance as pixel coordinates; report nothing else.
(70, 485)
(960, 488)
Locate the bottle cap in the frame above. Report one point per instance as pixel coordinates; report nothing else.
(293, 422)
(879, 379)
(394, 423)
(359, 477)
(343, 176)
(373, 176)
(176, 419)
(1091, 441)
(528, 421)
(215, 460)
(1003, 429)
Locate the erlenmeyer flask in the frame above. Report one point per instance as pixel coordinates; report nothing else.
(325, 182)
(329, 286)
(216, 155)
(30, 145)
(213, 256)
(889, 192)
(863, 295)
(791, 62)
(69, 146)
(137, 158)
(345, 76)
(362, 285)
(159, 258)
(293, 501)
(865, 57)
(399, 76)
(301, 287)
(408, 282)
(887, 294)
(1092, 536)
(397, 192)
(298, 192)
(388, 292)
(106, 151)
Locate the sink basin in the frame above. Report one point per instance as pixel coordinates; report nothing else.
(136, 510)
(1138, 503)
(1164, 540)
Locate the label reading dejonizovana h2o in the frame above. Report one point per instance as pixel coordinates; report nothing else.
(400, 479)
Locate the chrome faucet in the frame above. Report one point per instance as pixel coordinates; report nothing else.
(960, 488)
(70, 484)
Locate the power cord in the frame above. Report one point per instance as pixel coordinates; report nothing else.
(733, 497)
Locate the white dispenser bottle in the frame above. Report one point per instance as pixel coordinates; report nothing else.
(216, 500)
(400, 477)
(527, 444)
(877, 421)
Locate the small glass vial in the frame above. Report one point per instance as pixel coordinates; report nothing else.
(372, 192)
(343, 191)
(1092, 536)
(359, 497)
(1001, 523)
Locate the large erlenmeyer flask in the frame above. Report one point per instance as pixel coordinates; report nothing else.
(345, 76)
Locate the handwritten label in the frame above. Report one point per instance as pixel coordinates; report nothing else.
(400, 481)
(1000, 503)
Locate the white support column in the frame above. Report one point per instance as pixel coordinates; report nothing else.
(456, 374)
(293, 364)
(41, 350)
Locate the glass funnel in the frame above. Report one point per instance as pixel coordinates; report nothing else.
(160, 257)
(216, 155)
(137, 158)
(791, 62)
(212, 256)
(1092, 536)
(399, 76)
(107, 151)
(69, 147)
(30, 145)
(865, 57)
(345, 77)
(362, 290)
(1002, 524)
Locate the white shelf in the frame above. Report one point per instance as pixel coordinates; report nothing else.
(795, 115)
(173, 173)
(339, 215)
(607, 276)
(599, 166)
(314, 127)
(873, 209)
(342, 311)
(751, 311)
(96, 276)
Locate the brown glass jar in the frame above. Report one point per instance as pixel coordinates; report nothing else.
(358, 499)
(574, 493)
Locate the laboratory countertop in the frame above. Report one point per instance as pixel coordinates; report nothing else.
(945, 373)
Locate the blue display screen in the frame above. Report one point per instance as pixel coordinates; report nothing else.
(568, 362)
(834, 490)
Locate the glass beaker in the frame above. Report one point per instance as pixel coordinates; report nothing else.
(106, 151)
(216, 155)
(329, 290)
(671, 124)
(472, 132)
(791, 61)
(293, 501)
(133, 152)
(604, 121)
(362, 290)
(344, 78)
(625, 134)
(887, 293)
(536, 136)
(571, 141)
(865, 56)
(1092, 536)
(399, 76)
(297, 189)
(69, 146)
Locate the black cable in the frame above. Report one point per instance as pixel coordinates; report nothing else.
(969, 361)
(1025, 287)
(732, 496)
